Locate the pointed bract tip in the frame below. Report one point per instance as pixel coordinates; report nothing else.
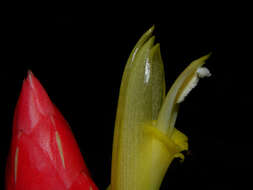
(149, 32)
(30, 78)
(208, 56)
(29, 72)
(33, 103)
(156, 48)
(29, 75)
(43, 102)
(205, 57)
(152, 28)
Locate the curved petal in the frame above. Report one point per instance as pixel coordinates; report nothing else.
(182, 86)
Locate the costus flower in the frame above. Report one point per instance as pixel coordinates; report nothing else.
(44, 154)
(145, 139)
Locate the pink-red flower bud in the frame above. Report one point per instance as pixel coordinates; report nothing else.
(44, 154)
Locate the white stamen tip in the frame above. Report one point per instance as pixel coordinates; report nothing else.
(192, 84)
(203, 72)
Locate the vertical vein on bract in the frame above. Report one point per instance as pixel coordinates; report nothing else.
(16, 165)
(58, 140)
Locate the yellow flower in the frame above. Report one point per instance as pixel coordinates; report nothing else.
(145, 139)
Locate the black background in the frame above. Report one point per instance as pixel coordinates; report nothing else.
(80, 64)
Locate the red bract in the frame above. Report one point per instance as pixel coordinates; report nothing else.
(44, 154)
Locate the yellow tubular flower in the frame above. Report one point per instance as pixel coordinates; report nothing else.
(145, 140)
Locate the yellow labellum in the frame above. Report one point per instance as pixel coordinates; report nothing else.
(145, 140)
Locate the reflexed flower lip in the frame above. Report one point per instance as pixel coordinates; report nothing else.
(44, 153)
(145, 139)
